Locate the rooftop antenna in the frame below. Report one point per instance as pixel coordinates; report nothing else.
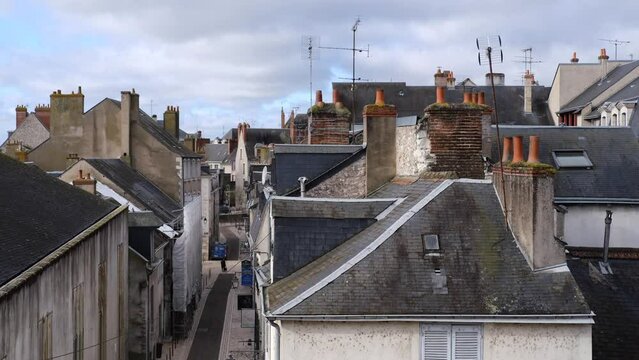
(489, 52)
(527, 60)
(617, 43)
(355, 50)
(309, 42)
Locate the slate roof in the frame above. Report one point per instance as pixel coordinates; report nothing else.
(412, 100)
(613, 299)
(306, 229)
(482, 271)
(182, 133)
(39, 214)
(599, 87)
(293, 161)
(216, 152)
(614, 153)
(266, 137)
(143, 191)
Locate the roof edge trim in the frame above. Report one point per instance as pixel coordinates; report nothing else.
(367, 250)
(510, 319)
(38, 267)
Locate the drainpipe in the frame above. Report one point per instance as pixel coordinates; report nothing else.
(275, 349)
(608, 221)
(302, 181)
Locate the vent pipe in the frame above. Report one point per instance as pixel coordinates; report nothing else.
(604, 267)
(302, 181)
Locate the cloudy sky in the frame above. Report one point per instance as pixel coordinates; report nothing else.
(226, 61)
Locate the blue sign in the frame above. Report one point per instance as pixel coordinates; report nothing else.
(247, 273)
(219, 252)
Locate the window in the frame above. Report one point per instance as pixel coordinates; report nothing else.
(576, 159)
(614, 120)
(604, 121)
(623, 119)
(451, 342)
(430, 242)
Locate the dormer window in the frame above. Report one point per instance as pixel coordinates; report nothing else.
(572, 159)
(623, 120)
(614, 120)
(430, 243)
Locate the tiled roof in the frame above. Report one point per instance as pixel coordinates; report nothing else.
(412, 100)
(613, 299)
(39, 213)
(145, 193)
(216, 152)
(294, 161)
(478, 271)
(599, 87)
(614, 153)
(256, 136)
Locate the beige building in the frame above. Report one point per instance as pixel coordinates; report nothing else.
(63, 278)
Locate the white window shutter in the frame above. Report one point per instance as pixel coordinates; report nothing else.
(436, 343)
(466, 342)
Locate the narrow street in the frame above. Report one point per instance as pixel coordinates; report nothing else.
(213, 330)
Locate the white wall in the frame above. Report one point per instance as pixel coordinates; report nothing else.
(534, 342)
(584, 225)
(317, 340)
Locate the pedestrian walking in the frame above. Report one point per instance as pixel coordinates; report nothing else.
(223, 263)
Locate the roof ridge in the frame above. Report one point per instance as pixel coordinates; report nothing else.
(385, 235)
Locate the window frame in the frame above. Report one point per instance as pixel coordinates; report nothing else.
(585, 155)
(451, 329)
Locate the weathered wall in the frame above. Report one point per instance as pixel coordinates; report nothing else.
(533, 342)
(529, 199)
(328, 124)
(375, 340)
(379, 136)
(138, 308)
(584, 225)
(51, 291)
(187, 267)
(412, 150)
(349, 340)
(156, 162)
(350, 182)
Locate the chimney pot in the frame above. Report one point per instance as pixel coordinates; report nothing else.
(379, 97)
(335, 96)
(441, 94)
(533, 149)
(318, 98)
(481, 98)
(508, 143)
(468, 98)
(518, 149)
(474, 98)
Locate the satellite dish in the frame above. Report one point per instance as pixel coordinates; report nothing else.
(264, 175)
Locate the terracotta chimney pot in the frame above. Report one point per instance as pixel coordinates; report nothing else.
(533, 149)
(518, 149)
(379, 97)
(508, 144)
(468, 98)
(481, 98)
(335, 96)
(474, 98)
(318, 97)
(441, 94)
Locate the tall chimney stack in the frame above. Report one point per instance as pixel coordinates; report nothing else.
(529, 193)
(172, 121)
(380, 124)
(43, 113)
(283, 117)
(603, 60)
(21, 115)
(529, 81)
(328, 124)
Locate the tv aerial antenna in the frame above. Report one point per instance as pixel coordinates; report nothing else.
(308, 45)
(488, 53)
(355, 50)
(527, 59)
(616, 43)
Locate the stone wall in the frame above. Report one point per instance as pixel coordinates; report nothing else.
(349, 182)
(412, 150)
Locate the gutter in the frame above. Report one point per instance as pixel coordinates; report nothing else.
(585, 200)
(448, 318)
(41, 265)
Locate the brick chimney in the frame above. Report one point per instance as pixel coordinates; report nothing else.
(72, 159)
(21, 115)
(283, 118)
(574, 58)
(455, 135)
(328, 124)
(67, 110)
(603, 60)
(529, 81)
(450, 80)
(380, 124)
(43, 113)
(529, 193)
(172, 121)
(86, 183)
